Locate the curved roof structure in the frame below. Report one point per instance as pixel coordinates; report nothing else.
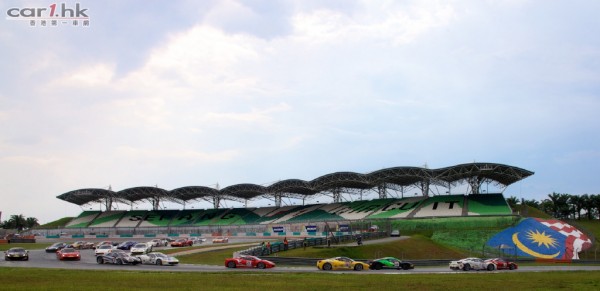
(475, 174)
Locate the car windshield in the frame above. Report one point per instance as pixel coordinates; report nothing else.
(16, 250)
(105, 247)
(67, 250)
(140, 246)
(161, 255)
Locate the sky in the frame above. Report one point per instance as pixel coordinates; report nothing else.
(206, 93)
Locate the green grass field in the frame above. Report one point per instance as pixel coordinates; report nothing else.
(51, 279)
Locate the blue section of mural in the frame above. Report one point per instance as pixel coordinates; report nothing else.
(540, 238)
(530, 238)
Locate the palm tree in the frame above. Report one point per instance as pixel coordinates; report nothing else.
(576, 204)
(588, 206)
(17, 221)
(512, 201)
(31, 222)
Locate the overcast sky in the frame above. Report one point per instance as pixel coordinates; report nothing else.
(199, 93)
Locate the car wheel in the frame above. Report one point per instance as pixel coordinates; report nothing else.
(490, 267)
(467, 267)
(119, 262)
(511, 267)
(260, 265)
(377, 266)
(159, 262)
(405, 267)
(358, 267)
(100, 260)
(230, 265)
(327, 267)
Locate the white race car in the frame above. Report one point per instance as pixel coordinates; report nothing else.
(141, 248)
(103, 250)
(468, 264)
(157, 258)
(198, 240)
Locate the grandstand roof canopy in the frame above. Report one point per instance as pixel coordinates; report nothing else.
(473, 173)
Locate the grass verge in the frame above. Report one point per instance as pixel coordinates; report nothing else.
(51, 279)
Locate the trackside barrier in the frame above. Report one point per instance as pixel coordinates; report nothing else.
(261, 250)
(150, 235)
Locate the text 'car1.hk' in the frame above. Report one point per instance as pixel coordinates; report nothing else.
(118, 258)
(55, 247)
(16, 254)
(68, 254)
(341, 263)
(502, 264)
(468, 264)
(221, 239)
(390, 263)
(156, 258)
(248, 262)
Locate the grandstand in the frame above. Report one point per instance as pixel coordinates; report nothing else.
(391, 204)
(390, 208)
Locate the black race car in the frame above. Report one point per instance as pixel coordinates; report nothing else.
(16, 254)
(56, 247)
(118, 258)
(390, 263)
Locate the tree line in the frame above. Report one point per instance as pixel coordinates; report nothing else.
(19, 222)
(564, 206)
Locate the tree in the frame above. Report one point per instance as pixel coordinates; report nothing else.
(31, 222)
(17, 221)
(559, 205)
(576, 204)
(533, 203)
(512, 202)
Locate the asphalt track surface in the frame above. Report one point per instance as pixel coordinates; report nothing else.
(43, 259)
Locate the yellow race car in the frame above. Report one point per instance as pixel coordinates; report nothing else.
(341, 263)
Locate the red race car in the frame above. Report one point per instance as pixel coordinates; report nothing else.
(502, 264)
(182, 242)
(68, 254)
(248, 262)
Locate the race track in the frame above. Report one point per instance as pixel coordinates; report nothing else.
(42, 259)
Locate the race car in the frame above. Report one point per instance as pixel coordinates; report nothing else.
(502, 264)
(82, 245)
(106, 242)
(16, 254)
(221, 239)
(468, 264)
(341, 263)
(182, 242)
(103, 249)
(55, 247)
(198, 240)
(118, 257)
(248, 262)
(156, 258)
(157, 242)
(390, 263)
(141, 248)
(126, 245)
(68, 254)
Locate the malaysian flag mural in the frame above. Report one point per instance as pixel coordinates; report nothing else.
(543, 238)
